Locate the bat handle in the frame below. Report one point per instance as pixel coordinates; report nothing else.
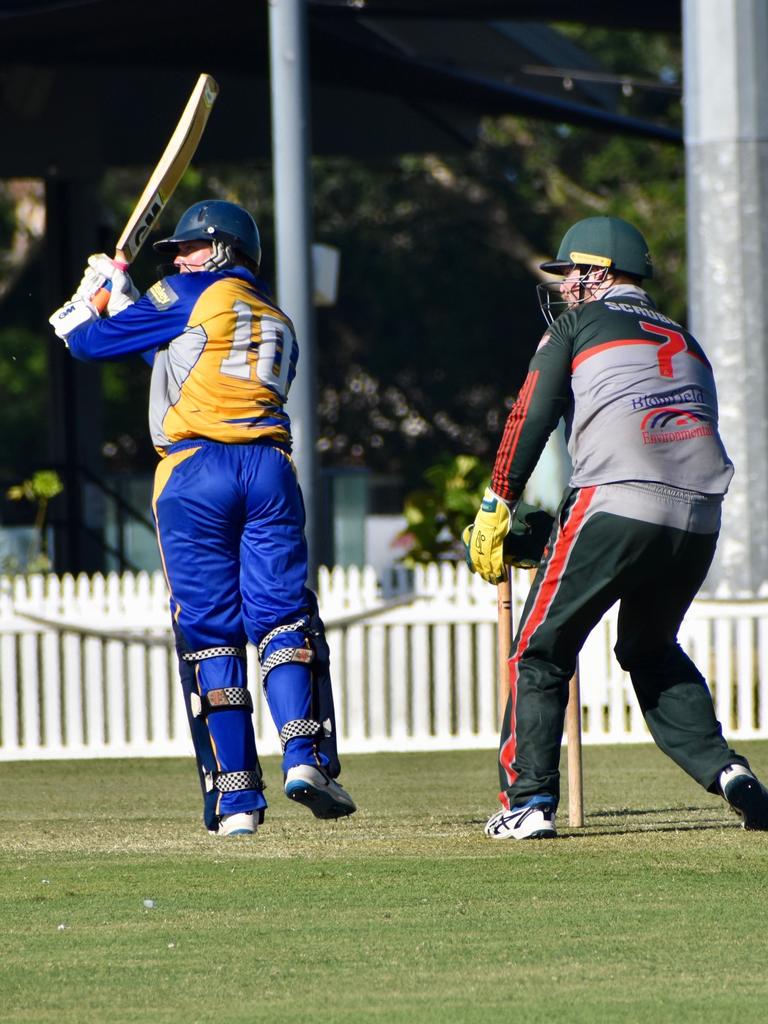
(100, 298)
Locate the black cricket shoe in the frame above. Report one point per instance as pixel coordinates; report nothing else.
(746, 796)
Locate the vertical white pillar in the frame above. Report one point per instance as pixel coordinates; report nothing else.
(725, 43)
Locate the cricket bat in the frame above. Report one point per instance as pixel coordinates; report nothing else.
(504, 637)
(165, 177)
(575, 768)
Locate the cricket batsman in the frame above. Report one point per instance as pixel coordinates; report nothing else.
(638, 523)
(226, 504)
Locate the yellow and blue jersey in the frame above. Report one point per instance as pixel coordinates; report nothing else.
(223, 357)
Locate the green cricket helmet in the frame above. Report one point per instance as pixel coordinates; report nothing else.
(603, 242)
(600, 245)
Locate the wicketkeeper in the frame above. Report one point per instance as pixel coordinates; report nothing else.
(637, 524)
(227, 506)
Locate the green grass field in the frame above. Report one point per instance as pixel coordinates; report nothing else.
(655, 911)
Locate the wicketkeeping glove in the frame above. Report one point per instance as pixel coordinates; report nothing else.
(484, 540)
(123, 292)
(528, 535)
(524, 545)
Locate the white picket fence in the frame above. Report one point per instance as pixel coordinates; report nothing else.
(87, 667)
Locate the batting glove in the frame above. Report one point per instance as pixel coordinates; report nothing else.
(90, 283)
(70, 316)
(122, 291)
(484, 540)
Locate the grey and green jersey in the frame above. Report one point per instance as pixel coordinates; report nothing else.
(637, 394)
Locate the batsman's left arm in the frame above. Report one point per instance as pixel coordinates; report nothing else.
(133, 332)
(140, 328)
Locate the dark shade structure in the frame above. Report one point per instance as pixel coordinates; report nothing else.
(81, 80)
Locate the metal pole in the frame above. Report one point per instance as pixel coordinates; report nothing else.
(726, 142)
(289, 71)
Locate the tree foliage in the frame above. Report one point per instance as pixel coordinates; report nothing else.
(38, 490)
(437, 514)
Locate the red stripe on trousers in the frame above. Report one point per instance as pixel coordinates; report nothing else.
(548, 588)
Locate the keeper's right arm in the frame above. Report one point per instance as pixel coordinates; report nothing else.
(543, 398)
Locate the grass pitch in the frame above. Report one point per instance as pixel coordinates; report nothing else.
(118, 907)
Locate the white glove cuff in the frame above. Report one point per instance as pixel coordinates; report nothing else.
(72, 315)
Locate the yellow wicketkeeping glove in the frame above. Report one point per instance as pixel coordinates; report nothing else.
(484, 540)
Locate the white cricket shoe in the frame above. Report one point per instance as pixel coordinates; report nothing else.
(315, 789)
(243, 824)
(532, 820)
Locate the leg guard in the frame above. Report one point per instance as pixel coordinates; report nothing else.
(297, 684)
(322, 691)
(219, 718)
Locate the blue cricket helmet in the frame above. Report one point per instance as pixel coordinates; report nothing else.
(216, 220)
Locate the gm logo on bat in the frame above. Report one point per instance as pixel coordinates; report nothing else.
(156, 205)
